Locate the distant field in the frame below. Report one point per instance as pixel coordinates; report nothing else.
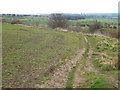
(44, 20)
(29, 20)
(90, 21)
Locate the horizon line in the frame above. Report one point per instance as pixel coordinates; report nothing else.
(62, 13)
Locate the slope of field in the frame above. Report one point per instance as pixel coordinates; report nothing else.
(34, 57)
(31, 55)
(98, 67)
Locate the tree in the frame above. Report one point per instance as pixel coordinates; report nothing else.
(57, 20)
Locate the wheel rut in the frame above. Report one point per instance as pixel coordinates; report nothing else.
(89, 67)
(58, 80)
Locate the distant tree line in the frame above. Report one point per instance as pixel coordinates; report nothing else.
(12, 15)
(74, 17)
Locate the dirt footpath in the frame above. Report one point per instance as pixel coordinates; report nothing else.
(58, 80)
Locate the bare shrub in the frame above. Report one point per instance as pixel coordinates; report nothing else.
(16, 21)
(95, 27)
(78, 29)
(109, 32)
(2, 20)
(57, 20)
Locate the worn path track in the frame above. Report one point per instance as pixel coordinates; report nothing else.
(58, 80)
(89, 67)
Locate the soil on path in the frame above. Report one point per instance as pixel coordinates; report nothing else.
(58, 80)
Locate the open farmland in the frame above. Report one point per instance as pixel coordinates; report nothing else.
(28, 19)
(109, 27)
(90, 21)
(39, 57)
(44, 20)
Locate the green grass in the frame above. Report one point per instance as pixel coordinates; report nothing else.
(104, 67)
(28, 53)
(108, 47)
(94, 80)
(100, 83)
(93, 39)
(71, 77)
(28, 19)
(90, 21)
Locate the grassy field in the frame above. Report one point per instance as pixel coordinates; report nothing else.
(28, 20)
(90, 21)
(105, 52)
(105, 56)
(31, 55)
(98, 69)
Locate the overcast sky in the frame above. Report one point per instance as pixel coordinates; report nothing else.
(58, 6)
